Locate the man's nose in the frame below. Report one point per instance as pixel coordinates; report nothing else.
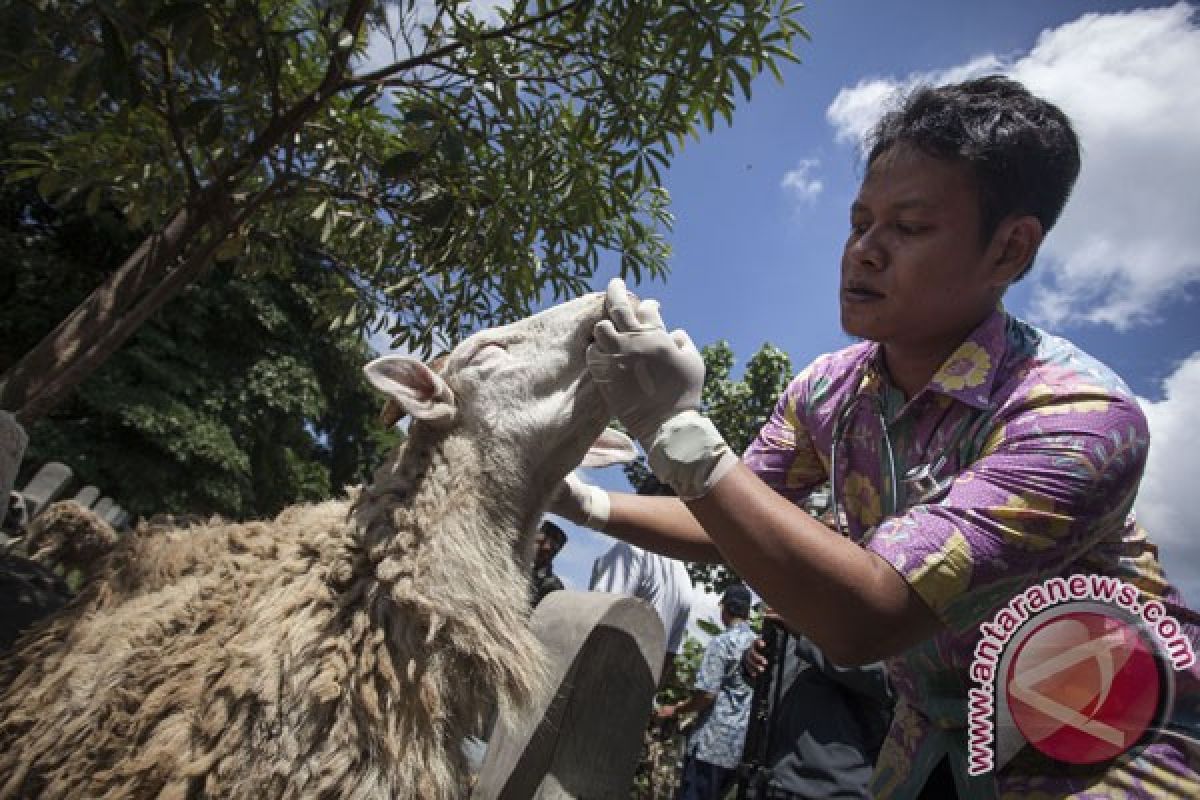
(866, 250)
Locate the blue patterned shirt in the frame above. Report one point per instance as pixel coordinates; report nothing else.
(719, 737)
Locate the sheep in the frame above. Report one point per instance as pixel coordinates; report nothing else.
(65, 544)
(68, 537)
(343, 649)
(28, 592)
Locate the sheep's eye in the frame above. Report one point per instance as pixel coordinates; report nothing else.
(487, 353)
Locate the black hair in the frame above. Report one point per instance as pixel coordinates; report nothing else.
(554, 532)
(1022, 149)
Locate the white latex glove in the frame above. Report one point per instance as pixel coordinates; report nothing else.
(652, 381)
(582, 503)
(646, 374)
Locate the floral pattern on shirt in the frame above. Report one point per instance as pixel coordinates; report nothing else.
(966, 368)
(719, 737)
(1038, 450)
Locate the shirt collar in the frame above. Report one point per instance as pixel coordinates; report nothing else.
(970, 372)
(967, 375)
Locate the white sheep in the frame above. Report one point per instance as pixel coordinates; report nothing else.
(342, 650)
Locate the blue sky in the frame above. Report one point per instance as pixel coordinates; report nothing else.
(761, 207)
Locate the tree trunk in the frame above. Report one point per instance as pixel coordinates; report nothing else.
(79, 340)
(146, 281)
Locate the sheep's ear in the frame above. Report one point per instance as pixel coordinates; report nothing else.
(414, 387)
(610, 447)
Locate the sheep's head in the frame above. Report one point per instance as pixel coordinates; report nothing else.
(523, 388)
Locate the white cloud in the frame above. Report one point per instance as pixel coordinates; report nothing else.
(800, 183)
(1166, 504)
(1128, 240)
(854, 111)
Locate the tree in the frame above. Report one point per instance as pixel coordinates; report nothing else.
(480, 167)
(222, 403)
(738, 408)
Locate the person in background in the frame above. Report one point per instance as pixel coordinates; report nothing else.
(662, 582)
(828, 726)
(549, 541)
(722, 697)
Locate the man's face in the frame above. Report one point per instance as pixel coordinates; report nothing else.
(914, 272)
(545, 548)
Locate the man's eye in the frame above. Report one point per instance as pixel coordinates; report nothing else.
(910, 228)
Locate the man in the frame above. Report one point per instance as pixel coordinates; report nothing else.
(549, 540)
(972, 454)
(662, 582)
(825, 732)
(721, 696)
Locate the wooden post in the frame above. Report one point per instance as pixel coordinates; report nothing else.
(583, 739)
(46, 486)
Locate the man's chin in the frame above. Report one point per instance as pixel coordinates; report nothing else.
(856, 328)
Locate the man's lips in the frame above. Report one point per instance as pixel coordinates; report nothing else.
(860, 294)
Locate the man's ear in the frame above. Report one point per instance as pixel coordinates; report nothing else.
(1016, 242)
(414, 387)
(610, 447)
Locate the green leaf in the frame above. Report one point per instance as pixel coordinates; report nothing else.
(195, 112)
(92, 204)
(211, 130)
(453, 147)
(174, 14)
(49, 184)
(18, 175)
(401, 165)
(230, 249)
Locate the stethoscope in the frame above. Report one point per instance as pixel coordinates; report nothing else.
(921, 483)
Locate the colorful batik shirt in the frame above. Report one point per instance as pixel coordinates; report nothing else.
(719, 737)
(1031, 453)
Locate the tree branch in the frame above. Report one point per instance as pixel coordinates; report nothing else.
(173, 122)
(380, 75)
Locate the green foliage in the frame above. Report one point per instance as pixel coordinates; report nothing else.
(738, 407)
(224, 403)
(478, 168)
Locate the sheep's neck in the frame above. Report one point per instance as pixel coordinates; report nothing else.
(434, 487)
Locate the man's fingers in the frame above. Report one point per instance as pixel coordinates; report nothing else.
(682, 340)
(618, 307)
(605, 336)
(599, 363)
(648, 314)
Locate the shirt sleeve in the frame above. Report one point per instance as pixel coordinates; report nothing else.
(615, 571)
(714, 666)
(783, 454)
(1056, 475)
(678, 630)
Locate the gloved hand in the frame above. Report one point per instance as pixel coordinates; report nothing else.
(582, 503)
(646, 374)
(652, 381)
